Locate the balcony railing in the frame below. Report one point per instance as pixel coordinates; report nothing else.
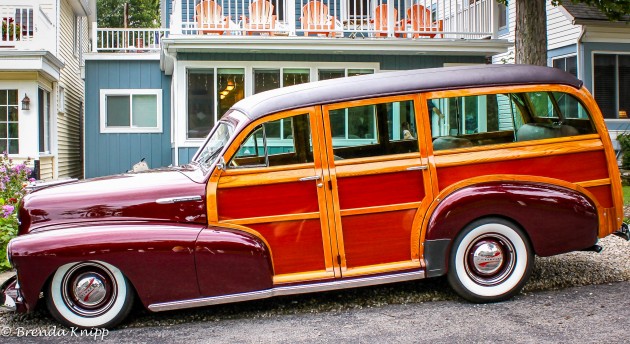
(25, 26)
(128, 40)
(336, 18)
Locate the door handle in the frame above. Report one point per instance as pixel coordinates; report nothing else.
(305, 179)
(418, 168)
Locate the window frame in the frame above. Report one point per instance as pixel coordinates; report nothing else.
(8, 122)
(104, 129)
(617, 84)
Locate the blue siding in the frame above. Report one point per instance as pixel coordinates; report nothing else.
(186, 154)
(115, 153)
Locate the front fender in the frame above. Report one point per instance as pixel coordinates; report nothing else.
(557, 219)
(154, 256)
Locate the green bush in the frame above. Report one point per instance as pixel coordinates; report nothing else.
(624, 142)
(13, 179)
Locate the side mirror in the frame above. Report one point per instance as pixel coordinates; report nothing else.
(221, 164)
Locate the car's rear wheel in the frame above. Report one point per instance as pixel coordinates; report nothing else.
(89, 294)
(491, 260)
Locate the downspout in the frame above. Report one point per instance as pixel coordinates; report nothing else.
(579, 53)
(174, 103)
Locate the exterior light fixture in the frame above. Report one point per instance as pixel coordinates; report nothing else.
(26, 103)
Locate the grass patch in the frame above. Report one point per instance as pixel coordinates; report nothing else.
(626, 195)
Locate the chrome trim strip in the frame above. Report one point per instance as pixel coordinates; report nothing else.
(288, 290)
(418, 168)
(180, 199)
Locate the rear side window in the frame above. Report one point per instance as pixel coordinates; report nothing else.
(479, 120)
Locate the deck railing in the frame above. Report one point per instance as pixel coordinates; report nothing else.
(336, 18)
(128, 40)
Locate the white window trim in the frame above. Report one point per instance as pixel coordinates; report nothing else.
(592, 72)
(180, 101)
(61, 107)
(129, 92)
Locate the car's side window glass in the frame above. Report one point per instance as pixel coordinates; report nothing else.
(459, 122)
(279, 142)
(373, 130)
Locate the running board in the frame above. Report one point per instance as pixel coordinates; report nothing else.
(288, 290)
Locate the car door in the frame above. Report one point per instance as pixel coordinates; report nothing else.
(378, 166)
(272, 188)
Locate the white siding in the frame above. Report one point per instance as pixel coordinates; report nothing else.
(508, 57)
(69, 123)
(560, 31)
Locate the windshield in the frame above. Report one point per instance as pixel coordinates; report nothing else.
(214, 145)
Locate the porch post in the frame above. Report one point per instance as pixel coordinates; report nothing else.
(290, 13)
(391, 20)
(176, 18)
(494, 19)
(94, 37)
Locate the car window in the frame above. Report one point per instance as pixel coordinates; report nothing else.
(479, 120)
(279, 142)
(373, 130)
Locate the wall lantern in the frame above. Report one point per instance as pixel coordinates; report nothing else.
(26, 102)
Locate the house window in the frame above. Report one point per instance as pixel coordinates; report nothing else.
(567, 64)
(326, 74)
(503, 15)
(358, 9)
(611, 84)
(266, 79)
(202, 113)
(44, 121)
(9, 133)
(131, 111)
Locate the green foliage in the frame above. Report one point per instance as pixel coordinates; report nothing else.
(624, 142)
(613, 9)
(142, 13)
(13, 179)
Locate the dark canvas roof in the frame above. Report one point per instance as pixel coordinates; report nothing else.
(586, 12)
(392, 83)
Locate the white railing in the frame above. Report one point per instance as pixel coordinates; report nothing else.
(18, 23)
(128, 40)
(471, 19)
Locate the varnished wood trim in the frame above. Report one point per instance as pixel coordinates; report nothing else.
(380, 209)
(519, 144)
(504, 152)
(265, 177)
(465, 92)
(368, 101)
(257, 170)
(375, 159)
(302, 276)
(373, 168)
(246, 230)
(275, 218)
(504, 178)
(592, 183)
(381, 268)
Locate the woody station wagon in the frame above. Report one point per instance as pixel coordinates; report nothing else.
(466, 172)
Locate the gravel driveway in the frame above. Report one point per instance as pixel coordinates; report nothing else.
(552, 273)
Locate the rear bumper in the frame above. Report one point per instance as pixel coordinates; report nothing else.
(10, 297)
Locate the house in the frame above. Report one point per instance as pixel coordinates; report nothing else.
(154, 94)
(41, 89)
(585, 43)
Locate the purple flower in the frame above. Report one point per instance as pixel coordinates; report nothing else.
(7, 210)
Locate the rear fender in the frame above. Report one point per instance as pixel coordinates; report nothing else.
(557, 219)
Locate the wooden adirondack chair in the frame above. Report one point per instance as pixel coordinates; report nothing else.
(380, 21)
(316, 20)
(419, 18)
(261, 18)
(210, 19)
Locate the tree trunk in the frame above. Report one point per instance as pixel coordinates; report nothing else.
(531, 32)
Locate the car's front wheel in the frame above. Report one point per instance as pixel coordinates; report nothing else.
(491, 260)
(89, 294)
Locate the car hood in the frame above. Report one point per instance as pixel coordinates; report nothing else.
(175, 195)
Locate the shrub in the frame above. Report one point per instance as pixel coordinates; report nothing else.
(624, 142)
(13, 179)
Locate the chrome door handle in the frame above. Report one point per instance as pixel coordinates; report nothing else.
(418, 168)
(305, 179)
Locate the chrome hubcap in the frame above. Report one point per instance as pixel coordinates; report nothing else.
(490, 259)
(89, 289)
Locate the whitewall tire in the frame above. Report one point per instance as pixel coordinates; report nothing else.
(89, 294)
(491, 260)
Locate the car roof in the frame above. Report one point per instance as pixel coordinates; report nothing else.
(400, 82)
